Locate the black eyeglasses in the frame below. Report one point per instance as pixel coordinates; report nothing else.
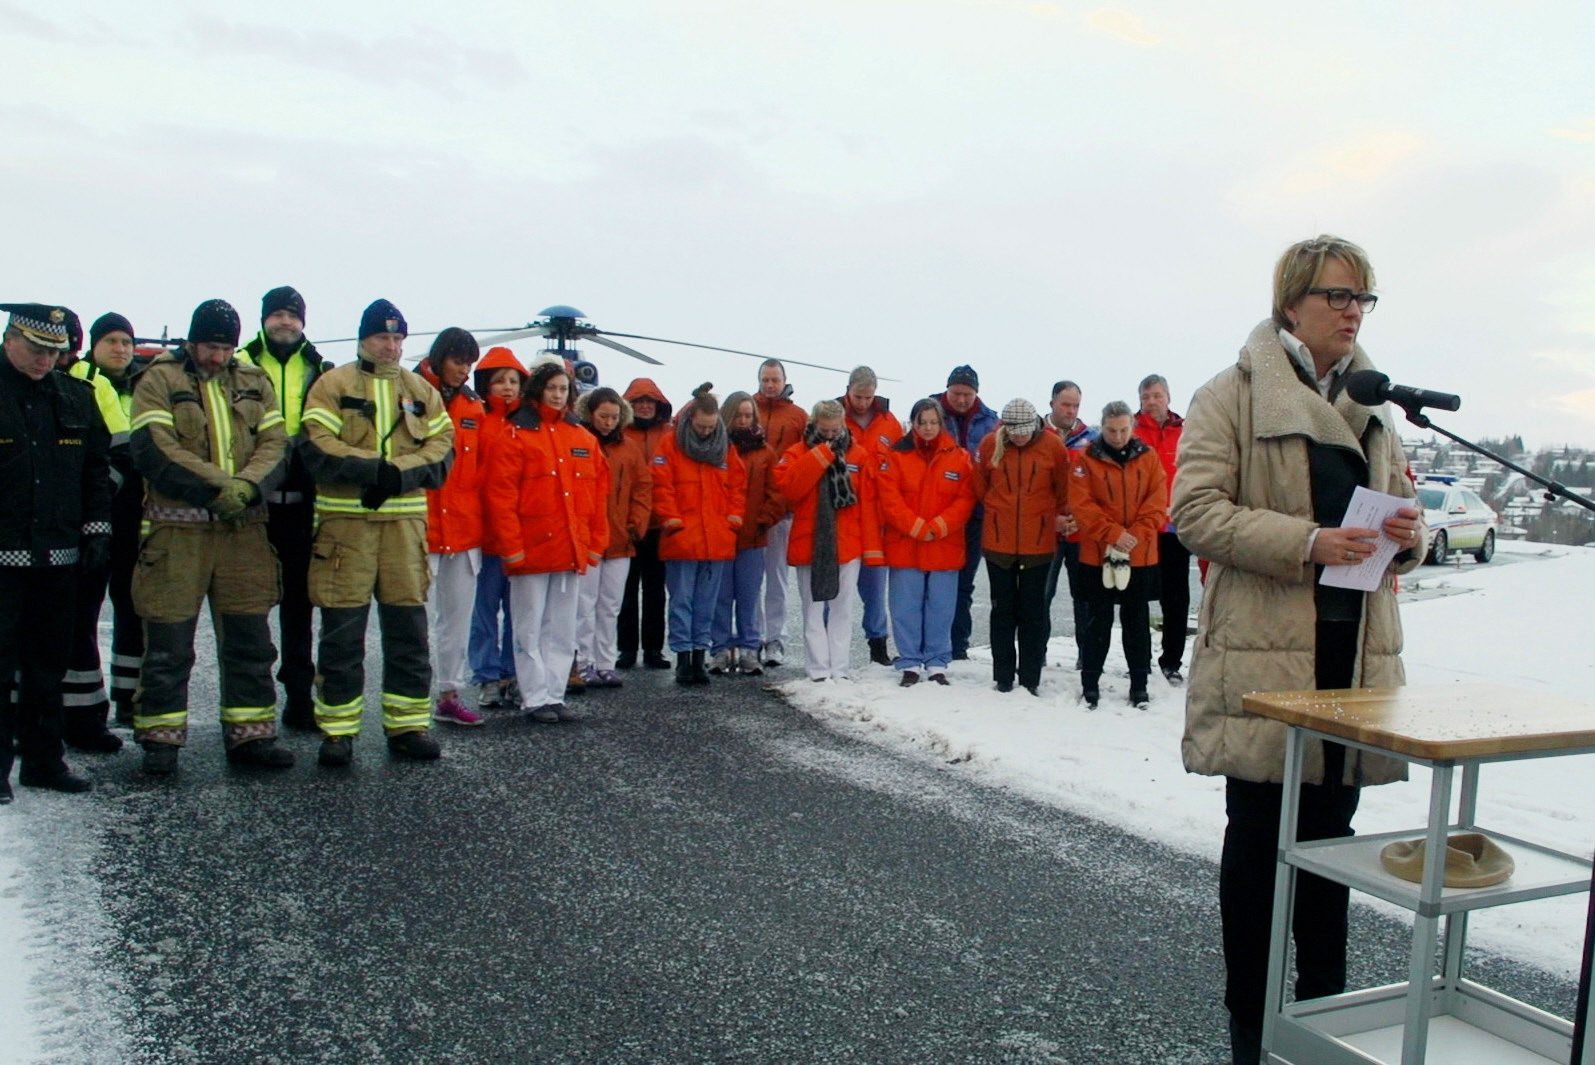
(1340, 298)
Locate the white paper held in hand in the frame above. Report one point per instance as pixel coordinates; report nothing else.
(1367, 510)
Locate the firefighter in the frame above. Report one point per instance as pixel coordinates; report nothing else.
(55, 479)
(113, 360)
(293, 364)
(376, 436)
(208, 439)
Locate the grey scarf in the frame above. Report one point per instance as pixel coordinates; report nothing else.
(835, 493)
(710, 450)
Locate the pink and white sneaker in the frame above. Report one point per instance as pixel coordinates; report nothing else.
(452, 709)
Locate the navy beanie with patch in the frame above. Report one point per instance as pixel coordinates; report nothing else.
(382, 317)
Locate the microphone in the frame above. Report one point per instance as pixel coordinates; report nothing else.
(1372, 388)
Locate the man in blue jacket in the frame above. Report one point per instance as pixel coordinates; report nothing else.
(969, 421)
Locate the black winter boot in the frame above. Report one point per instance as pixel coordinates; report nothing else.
(684, 668)
(1090, 691)
(877, 651)
(700, 671)
(262, 754)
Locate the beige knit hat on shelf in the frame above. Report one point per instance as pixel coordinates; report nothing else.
(1472, 860)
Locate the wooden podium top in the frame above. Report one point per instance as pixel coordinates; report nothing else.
(1440, 722)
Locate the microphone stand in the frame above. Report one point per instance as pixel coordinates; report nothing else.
(1553, 489)
(1583, 1050)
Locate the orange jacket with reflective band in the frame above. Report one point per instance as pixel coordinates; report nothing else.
(926, 495)
(454, 512)
(1023, 494)
(799, 478)
(699, 506)
(1108, 499)
(546, 491)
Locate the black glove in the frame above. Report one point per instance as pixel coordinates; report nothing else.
(94, 553)
(389, 483)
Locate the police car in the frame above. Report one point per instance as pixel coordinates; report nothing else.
(1458, 519)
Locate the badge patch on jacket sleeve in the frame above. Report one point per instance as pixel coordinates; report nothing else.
(952, 475)
(659, 460)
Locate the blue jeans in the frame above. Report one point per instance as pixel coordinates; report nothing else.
(963, 621)
(872, 593)
(694, 589)
(492, 649)
(922, 617)
(738, 600)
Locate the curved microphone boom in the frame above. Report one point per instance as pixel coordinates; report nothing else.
(1372, 389)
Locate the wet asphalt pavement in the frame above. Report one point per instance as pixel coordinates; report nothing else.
(691, 875)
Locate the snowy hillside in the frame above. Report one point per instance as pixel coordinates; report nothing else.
(1520, 620)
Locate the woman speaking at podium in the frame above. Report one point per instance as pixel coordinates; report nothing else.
(1272, 451)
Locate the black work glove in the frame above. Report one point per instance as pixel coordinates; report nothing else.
(94, 553)
(389, 483)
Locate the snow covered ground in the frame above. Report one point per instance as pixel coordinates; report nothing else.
(1521, 620)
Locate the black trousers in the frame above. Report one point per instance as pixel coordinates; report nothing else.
(85, 707)
(34, 642)
(1135, 622)
(963, 616)
(1246, 867)
(127, 628)
(1174, 574)
(291, 529)
(645, 581)
(406, 657)
(1019, 622)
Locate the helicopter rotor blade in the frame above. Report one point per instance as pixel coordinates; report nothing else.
(633, 352)
(514, 334)
(732, 351)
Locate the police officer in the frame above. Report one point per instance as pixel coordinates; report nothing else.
(55, 479)
(376, 436)
(209, 441)
(293, 364)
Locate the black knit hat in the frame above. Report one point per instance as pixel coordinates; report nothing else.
(283, 298)
(214, 322)
(453, 343)
(964, 375)
(382, 317)
(105, 325)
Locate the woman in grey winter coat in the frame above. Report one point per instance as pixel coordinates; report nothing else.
(1272, 451)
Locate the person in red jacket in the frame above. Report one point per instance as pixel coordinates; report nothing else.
(644, 603)
(1159, 429)
(872, 423)
(784, 422)
(829, 480)
(735, 637)
(700, 490)
(499, 378)
(1119, 495)
(546, 513)
(454, 522)
(1022, 477)
(927, 493)
(630, 504)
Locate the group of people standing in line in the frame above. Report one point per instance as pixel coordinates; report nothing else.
(529, 540)
(522, 539)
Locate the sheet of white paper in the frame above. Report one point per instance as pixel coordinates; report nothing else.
(1367, 510)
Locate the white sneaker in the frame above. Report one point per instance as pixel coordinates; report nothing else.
(748, 662)
(721, 662)
(774, 654)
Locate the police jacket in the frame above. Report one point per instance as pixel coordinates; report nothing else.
(291, 378)
(54, 471)
(191, 435)
(363, 414)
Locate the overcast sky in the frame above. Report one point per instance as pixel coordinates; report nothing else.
(1041, 189)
